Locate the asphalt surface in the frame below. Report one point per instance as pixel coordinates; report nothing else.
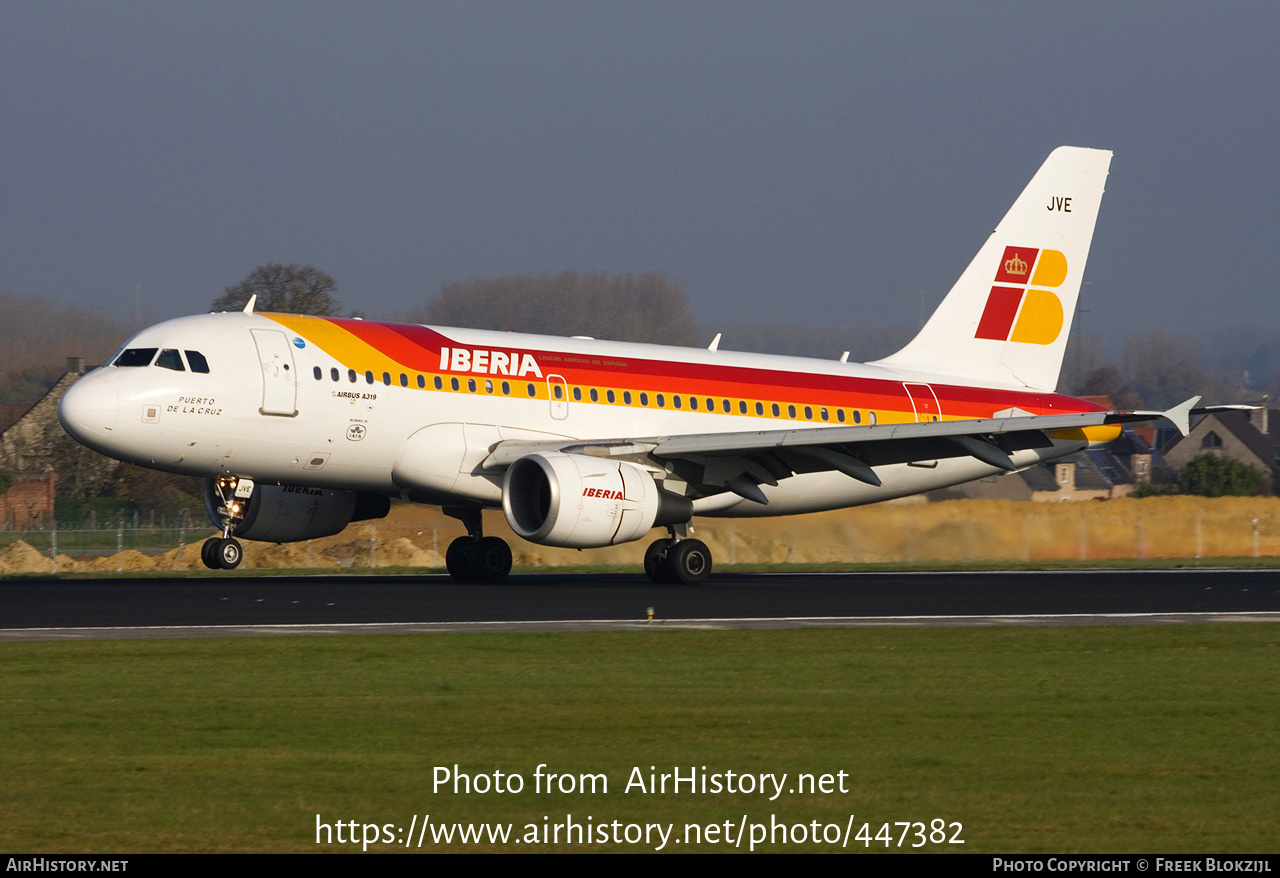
(56, 609)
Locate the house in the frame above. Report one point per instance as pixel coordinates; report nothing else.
(1105, 473)
(1241, 436)
(24, 453)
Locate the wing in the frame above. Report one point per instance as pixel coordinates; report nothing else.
(711, 463)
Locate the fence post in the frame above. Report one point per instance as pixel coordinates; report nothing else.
(1255, 538)
(120, 545)
(1199, 539)
(1142, 536)
(1083, 538)
(373, 545)
(53, 547)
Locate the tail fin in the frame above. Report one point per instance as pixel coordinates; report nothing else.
(1006, 320)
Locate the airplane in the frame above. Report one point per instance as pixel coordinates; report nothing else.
(301, 425)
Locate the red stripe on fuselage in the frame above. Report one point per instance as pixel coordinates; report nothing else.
(418, 348)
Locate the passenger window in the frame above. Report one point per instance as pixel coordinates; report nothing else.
(488, 386)
(626, 397)
(824, 415)
(662, 402)
(609, 396)
(386, 378)
(742, 406)
(577, 394)
(776, 411)
(533, 391)
(197, 362)
(136, 357)
(439, 383)
(675, 401)
(422, 382)
(857, 416)
(595, 396)
(471, 385)
(315, 370)
(170, 359)
(693, 402)
(759, 408)
(644, 399)
(840, 415)
(506, 388)
(333, 373)
(559, 391)
(404, 380)
(808, 413)
(368, 377)
(791, 411)
(351, 375)
(453, 382)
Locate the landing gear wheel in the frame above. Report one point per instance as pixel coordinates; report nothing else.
(455, 559)
(689, 561)
(490, 559)
(209, 553)
(228, 554)
(655, 562)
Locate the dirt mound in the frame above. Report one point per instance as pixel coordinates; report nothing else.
(21, 557)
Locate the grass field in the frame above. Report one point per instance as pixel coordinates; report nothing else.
(1034, 739)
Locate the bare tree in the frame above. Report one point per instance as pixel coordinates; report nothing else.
(647, 307)
(291, 289)
(1165, 369)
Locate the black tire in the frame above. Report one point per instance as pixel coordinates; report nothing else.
(229, 554)
(490, 559)
(689, 562)
(209, 553)
(455, 559)
(655, 562)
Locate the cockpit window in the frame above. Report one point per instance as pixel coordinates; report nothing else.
(197, 361)
(169, 359)
(136, 357)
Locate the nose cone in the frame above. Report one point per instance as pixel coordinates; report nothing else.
(89, 410)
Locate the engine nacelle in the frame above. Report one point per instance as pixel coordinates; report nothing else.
(583, 502)
(286, 514)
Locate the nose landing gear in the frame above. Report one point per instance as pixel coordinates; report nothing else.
(225, 553)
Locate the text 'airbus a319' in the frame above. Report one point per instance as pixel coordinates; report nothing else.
(301, 425)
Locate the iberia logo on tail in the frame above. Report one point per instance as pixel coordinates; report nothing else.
(1015, 311)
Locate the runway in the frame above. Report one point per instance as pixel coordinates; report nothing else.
(326, 604)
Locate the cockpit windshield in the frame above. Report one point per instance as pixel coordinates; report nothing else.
(169, 358)
(136, 357)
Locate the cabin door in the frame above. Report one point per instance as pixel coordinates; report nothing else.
(279, 377)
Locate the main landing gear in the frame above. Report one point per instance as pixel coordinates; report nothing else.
(678, 559)
(475, 557)
(224, 553)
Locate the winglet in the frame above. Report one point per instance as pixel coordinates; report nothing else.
(1180, 415)
(715, 343)
(248, 306)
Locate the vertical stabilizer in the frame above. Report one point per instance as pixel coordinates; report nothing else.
(1006, 321)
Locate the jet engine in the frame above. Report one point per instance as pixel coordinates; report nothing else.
(286, 514)
(583, 502)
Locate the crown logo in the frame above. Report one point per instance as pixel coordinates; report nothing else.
(1014, 265)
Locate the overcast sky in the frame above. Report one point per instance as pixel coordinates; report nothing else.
(812, 164)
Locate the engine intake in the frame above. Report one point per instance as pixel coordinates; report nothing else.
(582, 502)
